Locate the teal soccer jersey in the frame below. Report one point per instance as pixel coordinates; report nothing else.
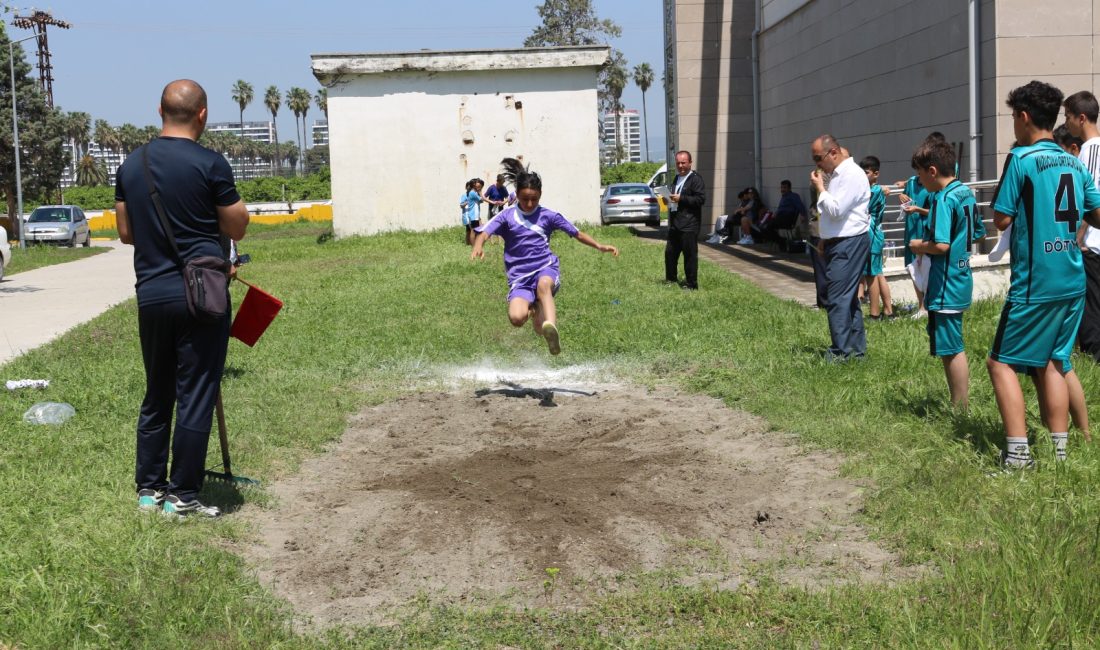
(1045, 191)
(951, 221)
(875, 209)
(916, 224)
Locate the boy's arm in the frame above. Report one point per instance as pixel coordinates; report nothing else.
(588, 241)
(1093, 218)
(1003, 221)
(928, 247)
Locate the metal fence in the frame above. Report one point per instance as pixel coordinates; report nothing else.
(893, 221)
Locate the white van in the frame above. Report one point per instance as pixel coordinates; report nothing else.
(659, 182)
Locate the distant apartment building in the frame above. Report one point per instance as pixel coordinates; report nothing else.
(110, 159)
(245, 168)
(629, 140)
(320, 132)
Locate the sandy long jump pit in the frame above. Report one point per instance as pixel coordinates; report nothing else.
(466, 496)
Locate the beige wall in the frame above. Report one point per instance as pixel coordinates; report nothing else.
(714, 96)
(878, 74)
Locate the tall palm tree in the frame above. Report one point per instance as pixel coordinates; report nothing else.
(272, 100)
(643, 78)
(322, 101)
(129, 138)
(298, 100)
(615, 81)
(106, 136)
(243, 96)
(78, 129)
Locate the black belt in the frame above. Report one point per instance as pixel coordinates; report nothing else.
(837, 240)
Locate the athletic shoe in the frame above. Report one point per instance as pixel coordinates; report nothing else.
(173, 507)
(149, 500)
(1008, 468)
(550, 331)
(919, 314)
(746, 241)
(714, 239)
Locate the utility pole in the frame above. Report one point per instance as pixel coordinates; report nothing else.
(38, 22)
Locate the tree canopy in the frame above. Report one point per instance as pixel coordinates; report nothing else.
(571, 22)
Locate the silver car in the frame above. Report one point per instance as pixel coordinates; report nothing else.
(65, 225)
(630, 203)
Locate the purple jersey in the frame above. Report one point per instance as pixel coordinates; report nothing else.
(527, 239)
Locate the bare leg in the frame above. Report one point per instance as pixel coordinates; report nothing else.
(872, 282)
(1010, 399)
(1053, 397)
(518, 311)
(1078, 410)
(958, 379)
(546, 315)
(884, 293)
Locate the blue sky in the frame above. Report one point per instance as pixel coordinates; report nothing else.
(118, 54)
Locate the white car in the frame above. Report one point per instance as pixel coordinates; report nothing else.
(5, 251)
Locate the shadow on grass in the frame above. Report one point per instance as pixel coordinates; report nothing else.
(227, 496)
(982, 432)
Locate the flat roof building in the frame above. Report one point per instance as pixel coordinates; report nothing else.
(409, 129)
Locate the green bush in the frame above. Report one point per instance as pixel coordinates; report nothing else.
(628, 172)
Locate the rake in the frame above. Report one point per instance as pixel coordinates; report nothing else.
(227, 474)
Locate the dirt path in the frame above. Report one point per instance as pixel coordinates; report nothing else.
(470, 499)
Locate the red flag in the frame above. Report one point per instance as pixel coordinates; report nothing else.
(257, 311)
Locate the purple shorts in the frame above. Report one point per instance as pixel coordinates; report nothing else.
(525, 287)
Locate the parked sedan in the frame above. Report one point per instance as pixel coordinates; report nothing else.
(58, 224)
(630, 203)
(5, 251)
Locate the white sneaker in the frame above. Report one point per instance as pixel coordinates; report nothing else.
(746, 241)
(714, 239)
(917, 315)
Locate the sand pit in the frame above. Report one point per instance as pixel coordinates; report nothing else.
(470, 499)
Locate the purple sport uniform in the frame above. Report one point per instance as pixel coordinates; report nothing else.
(527, 254)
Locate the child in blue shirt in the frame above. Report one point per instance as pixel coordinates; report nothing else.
(470, 202)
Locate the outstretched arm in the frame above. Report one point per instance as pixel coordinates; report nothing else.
(588, 241)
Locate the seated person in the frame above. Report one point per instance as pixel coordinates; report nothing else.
(750, 212)
(787, 213)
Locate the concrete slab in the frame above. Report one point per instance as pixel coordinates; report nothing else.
(38, 306)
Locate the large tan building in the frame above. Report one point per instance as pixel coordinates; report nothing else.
(755, 81)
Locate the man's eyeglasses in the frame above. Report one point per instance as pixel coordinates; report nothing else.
(818, 158)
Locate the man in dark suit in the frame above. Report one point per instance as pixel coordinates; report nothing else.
(685, 214)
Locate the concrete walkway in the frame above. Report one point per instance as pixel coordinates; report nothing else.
(38, 306)
(786, 275)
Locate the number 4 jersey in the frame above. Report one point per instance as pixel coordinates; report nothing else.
(1046, 191)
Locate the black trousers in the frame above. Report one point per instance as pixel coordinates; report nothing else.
(1088, 336)
(686, 242)
(184, 361)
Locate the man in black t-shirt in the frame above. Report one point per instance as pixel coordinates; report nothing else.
(184, 358)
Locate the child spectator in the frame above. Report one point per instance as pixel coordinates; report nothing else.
(749, 214)
(947, 243)
(531, 267)
(1045, 299)
(877, 287)
(471, 208)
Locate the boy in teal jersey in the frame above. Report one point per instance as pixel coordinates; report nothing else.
(947, 243)
(1043, 193)
(877, 287)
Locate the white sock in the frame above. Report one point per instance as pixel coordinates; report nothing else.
(1060, 440)
(1018, 454)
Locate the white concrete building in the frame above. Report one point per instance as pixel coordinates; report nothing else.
(408, 129)
(629, 125)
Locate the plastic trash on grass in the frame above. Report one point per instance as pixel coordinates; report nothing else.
(15, 384)
(49, 413)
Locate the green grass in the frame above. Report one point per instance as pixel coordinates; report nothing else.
(1011, 562)
(38, 255)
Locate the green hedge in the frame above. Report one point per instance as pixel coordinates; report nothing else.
(629, 172)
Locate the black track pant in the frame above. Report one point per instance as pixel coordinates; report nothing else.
(184, 361)
(686, 242)
(1088, 336)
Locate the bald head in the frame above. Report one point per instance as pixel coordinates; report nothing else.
(181, 102)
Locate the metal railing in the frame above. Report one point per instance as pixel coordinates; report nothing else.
(893, 222)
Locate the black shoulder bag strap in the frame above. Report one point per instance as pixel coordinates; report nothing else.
(158, 205)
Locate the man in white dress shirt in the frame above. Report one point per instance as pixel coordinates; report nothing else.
(843, 194)
(1081, 114)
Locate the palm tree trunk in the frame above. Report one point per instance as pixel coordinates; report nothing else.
(298, 134)
(276, 161)
(645, 128)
